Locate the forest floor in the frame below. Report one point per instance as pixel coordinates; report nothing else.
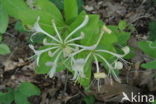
(16, 67)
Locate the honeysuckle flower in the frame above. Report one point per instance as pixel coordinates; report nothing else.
(54, 65)
(78, 67)
(97, 54)
(98, 76)
(38, 53)
(58, 45)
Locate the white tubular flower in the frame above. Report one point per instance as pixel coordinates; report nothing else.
(118, 65)
(52, 71)
(45, 42)
(110, 67)
(38, 29)
(56, 30)
(78, 68)
(38, 53)
(54, 65)
(77, 38)
(84, 23)
(107, 30)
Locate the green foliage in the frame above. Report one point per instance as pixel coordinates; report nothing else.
(4, 49)
(70, 10)
(145, 46)
(20, 94)
(89, 99)
(152, 29)
(150, 65)
(19, 27)
(59, 3)
(122, 25)
(3, 20)
(72, 40)
(154, 102)
(148, 47)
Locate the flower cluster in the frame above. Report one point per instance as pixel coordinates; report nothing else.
(67, 47)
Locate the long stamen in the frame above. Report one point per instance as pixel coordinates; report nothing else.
(45, 50)
(112, 53)
(97, 64)
(97, 70)
(77, 38)
(75, 53)
(101, 35)
(53, 70)
(38, 29)
(84, 23)
(53, 54)
(31, 37)
(110, 67)
(55, 28)
(88, 56)
(39, 52)
(45, 42)
(84, 47)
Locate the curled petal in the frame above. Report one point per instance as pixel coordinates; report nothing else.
(84, 23)
(126, 50)
(52, 71)
(37, 27)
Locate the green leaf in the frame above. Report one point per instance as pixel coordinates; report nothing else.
(7, 98)
(28, 89)
(145, 47)
(42, 68)
(0, 38)
(89, 99)
(122, 25)
(91, 31)
(38, 38)
(20, 27)
(70, 10)
(152, 29)
(80, 5)
(149, 65)
(4, 49)
(45, 10)
(85, 82)
(4, 19)
(59, 3)
(123, 38)
(20, 98)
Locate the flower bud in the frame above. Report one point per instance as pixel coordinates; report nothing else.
(107, 30)
(100, 75)
(118, 65)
